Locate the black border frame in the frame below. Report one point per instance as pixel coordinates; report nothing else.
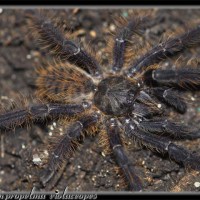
(117, 4)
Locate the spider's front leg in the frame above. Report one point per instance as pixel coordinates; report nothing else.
(184, 78)
(62, 45)
(161, 144)
(123, 38)
(163, 50)
(170, 97)
(172, 83)
(66, 144)
(121, 157)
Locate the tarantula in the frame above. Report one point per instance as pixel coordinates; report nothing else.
(118, 99)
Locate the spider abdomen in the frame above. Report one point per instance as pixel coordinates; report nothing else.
(64, 83)
(112, 95)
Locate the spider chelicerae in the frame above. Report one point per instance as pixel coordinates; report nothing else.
(127, 98)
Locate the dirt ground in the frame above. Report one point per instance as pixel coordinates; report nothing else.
(89, 169)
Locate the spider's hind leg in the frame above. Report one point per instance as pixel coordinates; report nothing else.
(64, 145)
(162, 145)
(169, 128)
(121, 157)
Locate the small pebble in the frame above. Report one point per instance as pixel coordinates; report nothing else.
(112, 27)
(103, 154)
(82, 174)
(143, 162)
(159, 105)
(197, 184)
(28, 56)
(2, 172)
(36, 159)
(93, 34)
(50, 133)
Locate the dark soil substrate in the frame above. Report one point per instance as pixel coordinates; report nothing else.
(89, 169)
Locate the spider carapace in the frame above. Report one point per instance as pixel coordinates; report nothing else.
(112, 95)
(129, 98)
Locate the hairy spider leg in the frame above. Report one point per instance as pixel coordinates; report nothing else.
(33, 113)
(184, 78)
(65, 145)
(170, 84)
(121, 157)
(64, 48)
(165, 49)
(162, 145)
(145, 106)
(169, 128)
(170, 97)
(122, 40)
